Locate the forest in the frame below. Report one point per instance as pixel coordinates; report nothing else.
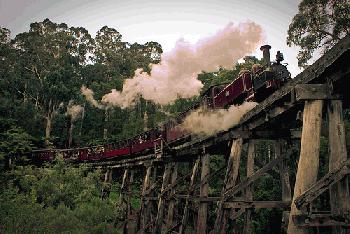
(42, 72)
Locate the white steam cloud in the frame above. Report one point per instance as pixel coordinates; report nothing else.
(74, 111)
(89, 96)
(210, 121)
(176, 75)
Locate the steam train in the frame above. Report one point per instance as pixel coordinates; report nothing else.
(254, 85)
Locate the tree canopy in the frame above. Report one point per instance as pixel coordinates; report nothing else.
(318, 25)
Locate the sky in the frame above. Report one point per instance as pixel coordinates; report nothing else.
(162, 21)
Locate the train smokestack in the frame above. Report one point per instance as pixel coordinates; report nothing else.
(266, 54)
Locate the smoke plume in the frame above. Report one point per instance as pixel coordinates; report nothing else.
(176, 75)
(210, 121)
(74, 111)
(89, 96)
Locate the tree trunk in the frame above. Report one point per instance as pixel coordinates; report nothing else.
(81, 123)
(50, 113)
(105, 130)
(70, 133)
(36, 101)
(48, 130)
(25, 96)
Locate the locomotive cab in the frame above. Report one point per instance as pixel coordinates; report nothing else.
(279, 70)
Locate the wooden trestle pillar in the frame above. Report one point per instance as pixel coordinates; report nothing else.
(171, 207)
(161, 199)
(248, 192)
(281, 151)
(145, 202)
(204, 189)
(125, 199)
(108, 176)
(229, 181)
(123, 190)
(339, 193)
(309, 157)
(107, 183)
(191, 188)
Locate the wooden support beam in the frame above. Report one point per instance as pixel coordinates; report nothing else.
(132, 173)
(160, 213)
(210, 177)
(124, 201)
(246, 182)
(322, 185)
(108, 176)
(248, 191)
(270, 113)
(234, 215)
(195, 147)
(199, 199)
(107, 183)
(190, 191)
(175, 183)
(281, 151)
(319, 220)
(240, 202)
(124, 187)
(204, 189)
(126, 162)
(236, 151)
(145, 201)
(152, 186)
(339, 192)
(230, 178)
(314, 92)
(257, 204)
(170, 221)
(309, 157)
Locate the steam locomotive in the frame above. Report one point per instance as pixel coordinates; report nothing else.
(254, 85)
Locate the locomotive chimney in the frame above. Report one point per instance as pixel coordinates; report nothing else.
(266, 54)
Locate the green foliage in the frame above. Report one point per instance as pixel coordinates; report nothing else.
(55, 199)
(13, 142)
(318, 24)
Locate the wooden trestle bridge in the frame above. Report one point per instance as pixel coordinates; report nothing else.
(299, 113)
